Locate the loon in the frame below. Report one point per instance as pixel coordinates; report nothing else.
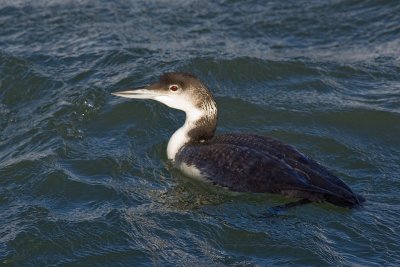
(237, 161)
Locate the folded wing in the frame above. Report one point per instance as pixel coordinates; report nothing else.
(254, 163)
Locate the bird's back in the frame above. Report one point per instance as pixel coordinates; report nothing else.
(254, 163)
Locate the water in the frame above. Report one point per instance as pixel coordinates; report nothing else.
(84, 179)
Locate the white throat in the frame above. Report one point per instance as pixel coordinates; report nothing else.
(181, 137)
(194, 113)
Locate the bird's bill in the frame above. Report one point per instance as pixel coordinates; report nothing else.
(140, 93)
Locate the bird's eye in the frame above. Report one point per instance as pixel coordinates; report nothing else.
(173, 88)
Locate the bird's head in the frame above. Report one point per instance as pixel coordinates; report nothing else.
(177, 90)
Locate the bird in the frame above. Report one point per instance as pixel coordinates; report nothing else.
(241, 162)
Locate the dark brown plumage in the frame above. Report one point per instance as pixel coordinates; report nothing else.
(254, 163)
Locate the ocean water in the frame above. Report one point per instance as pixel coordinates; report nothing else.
(84, 178)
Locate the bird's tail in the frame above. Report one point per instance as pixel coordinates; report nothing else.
(340, 196)
(353, 201)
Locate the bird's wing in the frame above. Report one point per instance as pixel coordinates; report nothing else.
(291, 156)
(255, 164)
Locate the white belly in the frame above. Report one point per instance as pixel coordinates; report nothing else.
(192, 172)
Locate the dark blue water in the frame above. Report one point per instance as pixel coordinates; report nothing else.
(84, 178)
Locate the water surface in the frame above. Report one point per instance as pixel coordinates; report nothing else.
(84, 179)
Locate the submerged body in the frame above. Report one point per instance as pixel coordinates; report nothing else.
(240, 162)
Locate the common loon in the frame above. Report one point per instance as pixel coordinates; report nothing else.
(240, 162)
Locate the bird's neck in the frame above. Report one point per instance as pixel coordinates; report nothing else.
(199, 126)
